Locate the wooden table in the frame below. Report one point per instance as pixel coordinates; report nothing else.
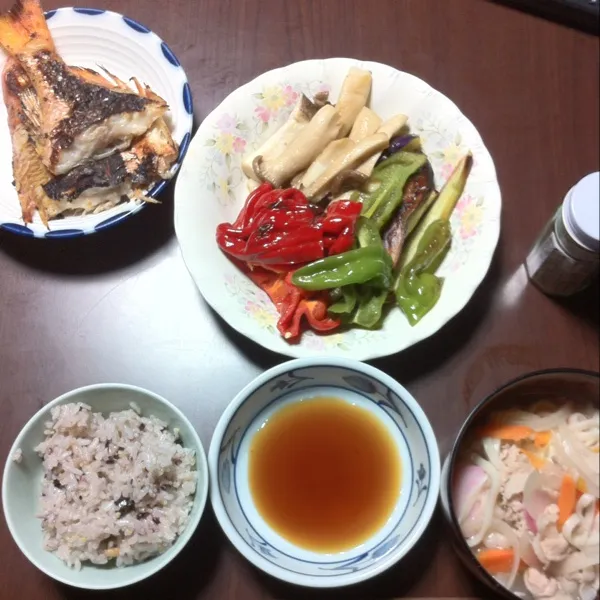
(121, 307)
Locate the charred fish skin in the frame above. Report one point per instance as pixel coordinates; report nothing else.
(149, 160)
(90, 103)
(81, 117)
(29, 172)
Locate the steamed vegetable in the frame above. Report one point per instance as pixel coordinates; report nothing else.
(414, 194)
(408, 143)
(367, 123)
(353, 97)
(391, 176)
(299, 118)
(506, 432)
(390, 127)
(351, 155)
(324, 260)
(442, 207)
(293, 304)
(370, 264)
(417, 289)
(567, 499)
(281, 229)
(496, 560)
(323, 128)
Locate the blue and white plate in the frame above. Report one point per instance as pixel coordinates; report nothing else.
(358, 384)
(91, 38)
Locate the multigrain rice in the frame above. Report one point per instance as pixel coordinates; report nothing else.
(118, 487)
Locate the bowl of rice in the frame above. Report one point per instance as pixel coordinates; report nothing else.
(104, 486)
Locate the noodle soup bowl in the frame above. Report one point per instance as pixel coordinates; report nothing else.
(357, 384)
(552, 385)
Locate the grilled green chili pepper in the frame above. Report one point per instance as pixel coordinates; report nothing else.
(345, 300)
(417, 288)
(392, 175)
(370, 306)
(367, 233)
(372, 264)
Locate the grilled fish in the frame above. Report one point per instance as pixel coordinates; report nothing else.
(79, 116)
(29, 172)
(93, 186)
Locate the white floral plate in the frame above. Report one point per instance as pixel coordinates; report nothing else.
(211, 189)
(91, 37)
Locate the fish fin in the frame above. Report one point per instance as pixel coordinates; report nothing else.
(31, 107)
(23, 29)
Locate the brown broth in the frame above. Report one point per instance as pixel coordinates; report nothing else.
(324, 474)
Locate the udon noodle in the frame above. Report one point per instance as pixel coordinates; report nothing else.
(526, 496)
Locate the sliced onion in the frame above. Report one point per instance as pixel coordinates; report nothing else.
(491, 447)
(537, 423)
(568, 457)
(588, 593)
(528, 556)
(509, 533)
(578, 561)
(530, 522)
(490, 499)
(468, 484)
(535, 496)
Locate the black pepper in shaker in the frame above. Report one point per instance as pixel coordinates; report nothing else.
(565, 258)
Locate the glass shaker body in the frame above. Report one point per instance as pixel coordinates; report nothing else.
(558, 264)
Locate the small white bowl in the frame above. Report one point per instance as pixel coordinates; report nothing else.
(22, 483)
(353, 382)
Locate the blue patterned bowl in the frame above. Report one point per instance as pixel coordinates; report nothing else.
(353, 382)
(93, 38)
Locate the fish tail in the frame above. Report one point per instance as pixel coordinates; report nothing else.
(23, 29)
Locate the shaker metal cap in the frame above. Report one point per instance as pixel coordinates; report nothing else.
(581, 212)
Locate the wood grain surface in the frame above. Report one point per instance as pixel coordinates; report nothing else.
(120, 306)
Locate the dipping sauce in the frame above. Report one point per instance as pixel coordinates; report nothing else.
(324, 474)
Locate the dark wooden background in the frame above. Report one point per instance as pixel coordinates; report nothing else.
(120, 306)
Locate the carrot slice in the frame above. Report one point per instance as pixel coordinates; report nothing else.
(566, 500)
(496, 560)
(514, 433)
(537, 462)
(542, 438)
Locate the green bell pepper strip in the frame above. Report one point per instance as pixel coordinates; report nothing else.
(370, 306)
(367, 233)
(392, 175)
(346, 301)
(372, 264)
(417, 288)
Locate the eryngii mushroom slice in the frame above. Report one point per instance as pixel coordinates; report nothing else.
(391, 127)
(332, 152)
(299, 118)
(345, 161)
(323, 128)
(367, 123)
(353, 97)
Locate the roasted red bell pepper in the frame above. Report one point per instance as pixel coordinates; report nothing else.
(281, 230)
(293, 304)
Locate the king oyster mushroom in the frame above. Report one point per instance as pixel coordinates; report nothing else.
(299, 118)
(322, 129)
(367, 123)
(346, 158)
(353, 97)
(390, 127)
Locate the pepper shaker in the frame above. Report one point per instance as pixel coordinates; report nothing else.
(565, 257)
